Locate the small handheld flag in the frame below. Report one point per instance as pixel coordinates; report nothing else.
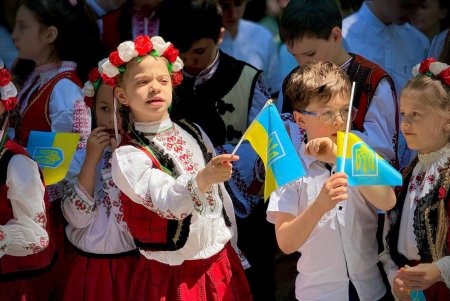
(417, 296)
(363, 165)
(271, 142)
(53, 152)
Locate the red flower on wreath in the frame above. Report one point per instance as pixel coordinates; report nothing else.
(171, 53)
(425, 65)
(445, 76)
(442, 192)
(108, 80)
(115, 59)
(5, 77)
(143, 45)
(177, 78)
(93, 75)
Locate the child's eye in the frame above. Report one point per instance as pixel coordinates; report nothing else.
(142, 82)
(199, 51)
(402, 114)
(311, 54)
(105, 109)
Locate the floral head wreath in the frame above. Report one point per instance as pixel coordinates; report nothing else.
(8, 92)
(431, 67)
(143, 45)
(91, 85)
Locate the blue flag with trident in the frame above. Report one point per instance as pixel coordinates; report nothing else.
(271, 142)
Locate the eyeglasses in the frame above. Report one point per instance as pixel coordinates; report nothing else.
(329, 116)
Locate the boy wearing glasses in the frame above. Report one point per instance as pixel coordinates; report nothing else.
(333, 226)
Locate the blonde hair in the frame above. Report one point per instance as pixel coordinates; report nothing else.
(317, 81)
(431, 92)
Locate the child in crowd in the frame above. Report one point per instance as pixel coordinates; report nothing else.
(417, 229)
(24, 240)
(250, 42)
(178, 211)
(332, 225)
(432, 17)
(223, 95)
(104, 246)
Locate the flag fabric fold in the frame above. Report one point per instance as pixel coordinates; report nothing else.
(53, 152)
(271, 142)
(363, 165)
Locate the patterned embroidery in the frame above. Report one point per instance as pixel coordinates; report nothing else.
(41, 219)
(78, 202)
(198, 205)
(43, 243)
(2, 235)
(81, 122)
(262, 87)
(55, 192)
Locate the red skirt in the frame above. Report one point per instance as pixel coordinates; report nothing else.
(438, 291)
(220, 277)
(99, 277)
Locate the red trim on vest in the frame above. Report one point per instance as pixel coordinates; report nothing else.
(10, 264)
(36, 116)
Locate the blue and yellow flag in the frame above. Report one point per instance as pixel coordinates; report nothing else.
(271, 142)
(53, 152)
(363, 165)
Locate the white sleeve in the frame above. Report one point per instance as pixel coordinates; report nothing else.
(170, 198)
(69, 114)
(284, 199)
(389, 265)
(24, 234)
(443, 265)
(379, 122)
(78, 206)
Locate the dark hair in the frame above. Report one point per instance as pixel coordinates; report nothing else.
(78, 37)
(444, 57)
(309, 18)
(185, 21)
(317, 81)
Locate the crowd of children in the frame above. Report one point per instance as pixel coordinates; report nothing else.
(155, 206)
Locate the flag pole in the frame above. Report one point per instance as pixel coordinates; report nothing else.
(347, 128)
(268, 102)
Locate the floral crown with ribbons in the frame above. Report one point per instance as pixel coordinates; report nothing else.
(91, 85)
(431, 67)
(8, 92)
(143, 45)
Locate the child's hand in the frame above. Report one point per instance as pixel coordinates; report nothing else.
(334, 190)
(420, 277)
(399, 289)
(323, 149)
(96, 143)
(217, 170)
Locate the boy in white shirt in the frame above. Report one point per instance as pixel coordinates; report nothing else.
(332, 225)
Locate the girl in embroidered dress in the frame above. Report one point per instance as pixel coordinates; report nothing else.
(174, 201)
(417, 232)
(24, 252)
(104, 247)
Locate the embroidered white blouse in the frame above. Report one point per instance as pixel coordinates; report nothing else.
(25, 234)
(423, 178)
(175, 198)
(67, 110)
(96, 224)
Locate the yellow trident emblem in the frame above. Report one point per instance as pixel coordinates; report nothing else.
(365, 162)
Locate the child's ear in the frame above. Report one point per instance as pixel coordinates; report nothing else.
(336, 34)
(51, 34)
(298, 117)
(121, 95)
(220, 37)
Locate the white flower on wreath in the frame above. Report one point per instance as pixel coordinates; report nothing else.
(88, 89)
(109, 69)
(127, 51)
(159, 45)
(437, 67)
(8, 91)
(100, 65)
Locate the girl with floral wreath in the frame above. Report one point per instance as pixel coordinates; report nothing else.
(103, 246)
(24, 241)
(417, 229)
(175, 204)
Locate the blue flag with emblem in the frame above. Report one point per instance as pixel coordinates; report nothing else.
(271, 142)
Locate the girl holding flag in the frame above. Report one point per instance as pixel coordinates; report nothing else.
(417, 229)
(177, 209)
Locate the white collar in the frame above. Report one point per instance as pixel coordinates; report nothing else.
(154, 127)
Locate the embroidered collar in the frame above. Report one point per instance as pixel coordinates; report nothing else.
(206, 74)
(434, 157)
(154, 127)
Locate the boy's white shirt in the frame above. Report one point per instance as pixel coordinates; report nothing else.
(344, 237)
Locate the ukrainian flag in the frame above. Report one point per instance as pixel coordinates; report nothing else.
(363, 165)
(53, 152)
(271, 142)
